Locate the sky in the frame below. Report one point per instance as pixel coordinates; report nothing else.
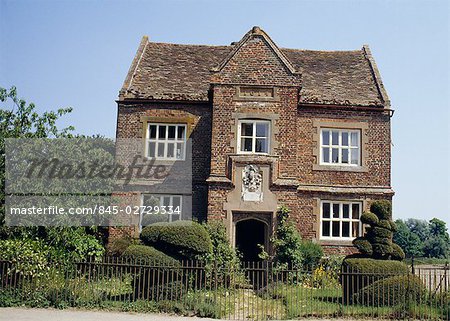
(77, 53)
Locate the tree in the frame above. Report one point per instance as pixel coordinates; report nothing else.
(418, 227)
(21, 120)
(408, 241)
(287, 242)
(438, 244)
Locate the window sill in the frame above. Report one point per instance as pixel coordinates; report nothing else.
(336, 242)
(340, 168)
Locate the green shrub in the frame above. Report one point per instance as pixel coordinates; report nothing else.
(160, 278)
(118, 246)
(29, 257)
(312, 254)
(154, 218)
(363, 245)
(397, 253)
(287, 241)
(369, 218)
(148, 254)
(377, 241)
(181, 239)
(223, 258)
(358, 272)
(392, 291)
(382, 208)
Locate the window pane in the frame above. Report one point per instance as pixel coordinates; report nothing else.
(355, 156)
(151, 149)
(346, 210)
(262, 129)
(172, 130)
(171, 150)
(326, 228)
(326, 210)
(162, 132)
(344, 138)
(160, 149)
(166, 201)
(246, 145)
(326, 137)
(345, 156)
(335, 138)
(176, 202)
(261, 145)
(336, 229)
(355, 211)
(325, 154)
(355, 229)
(180, 133)
(246, 129)
(152, 133)
(335, 155)
(180, 150)
(354, 139)
(345, 229)
(336, 210)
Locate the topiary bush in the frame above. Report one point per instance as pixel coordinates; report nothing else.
(392, 291)
(359, 272)
(180, 239)
(160, 276)
(377, 242)
(148, 255)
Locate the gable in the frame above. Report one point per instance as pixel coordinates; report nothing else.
(256, 60)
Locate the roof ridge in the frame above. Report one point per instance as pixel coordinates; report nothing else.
(319, 50)
(377, 76)
(134, 66)
(182, 44)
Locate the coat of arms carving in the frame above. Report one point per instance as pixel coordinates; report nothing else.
(251, 183)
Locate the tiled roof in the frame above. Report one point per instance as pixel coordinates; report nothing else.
(164, 71)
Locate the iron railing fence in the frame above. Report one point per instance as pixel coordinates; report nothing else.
(252, 291)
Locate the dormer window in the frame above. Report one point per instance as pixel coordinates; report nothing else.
(253, 136)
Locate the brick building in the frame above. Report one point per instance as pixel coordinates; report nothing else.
(269, 126)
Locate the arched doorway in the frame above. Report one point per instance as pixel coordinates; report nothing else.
(250, 233)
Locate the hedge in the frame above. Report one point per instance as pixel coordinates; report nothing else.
(181, 239)
(392, 291)
(359, 272)
(149, 255)
(160, 277)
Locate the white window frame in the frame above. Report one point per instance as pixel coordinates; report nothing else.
(161, 203)
(166, 141)
(253, 137)
(340, 147)
(340, 219)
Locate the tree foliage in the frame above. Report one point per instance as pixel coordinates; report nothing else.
(422, 238)
(287, 241)
(19, 119)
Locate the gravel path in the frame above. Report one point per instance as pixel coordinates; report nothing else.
(24, 314)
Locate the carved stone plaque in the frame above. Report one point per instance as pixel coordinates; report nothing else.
(251, 184)
(256, 92)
